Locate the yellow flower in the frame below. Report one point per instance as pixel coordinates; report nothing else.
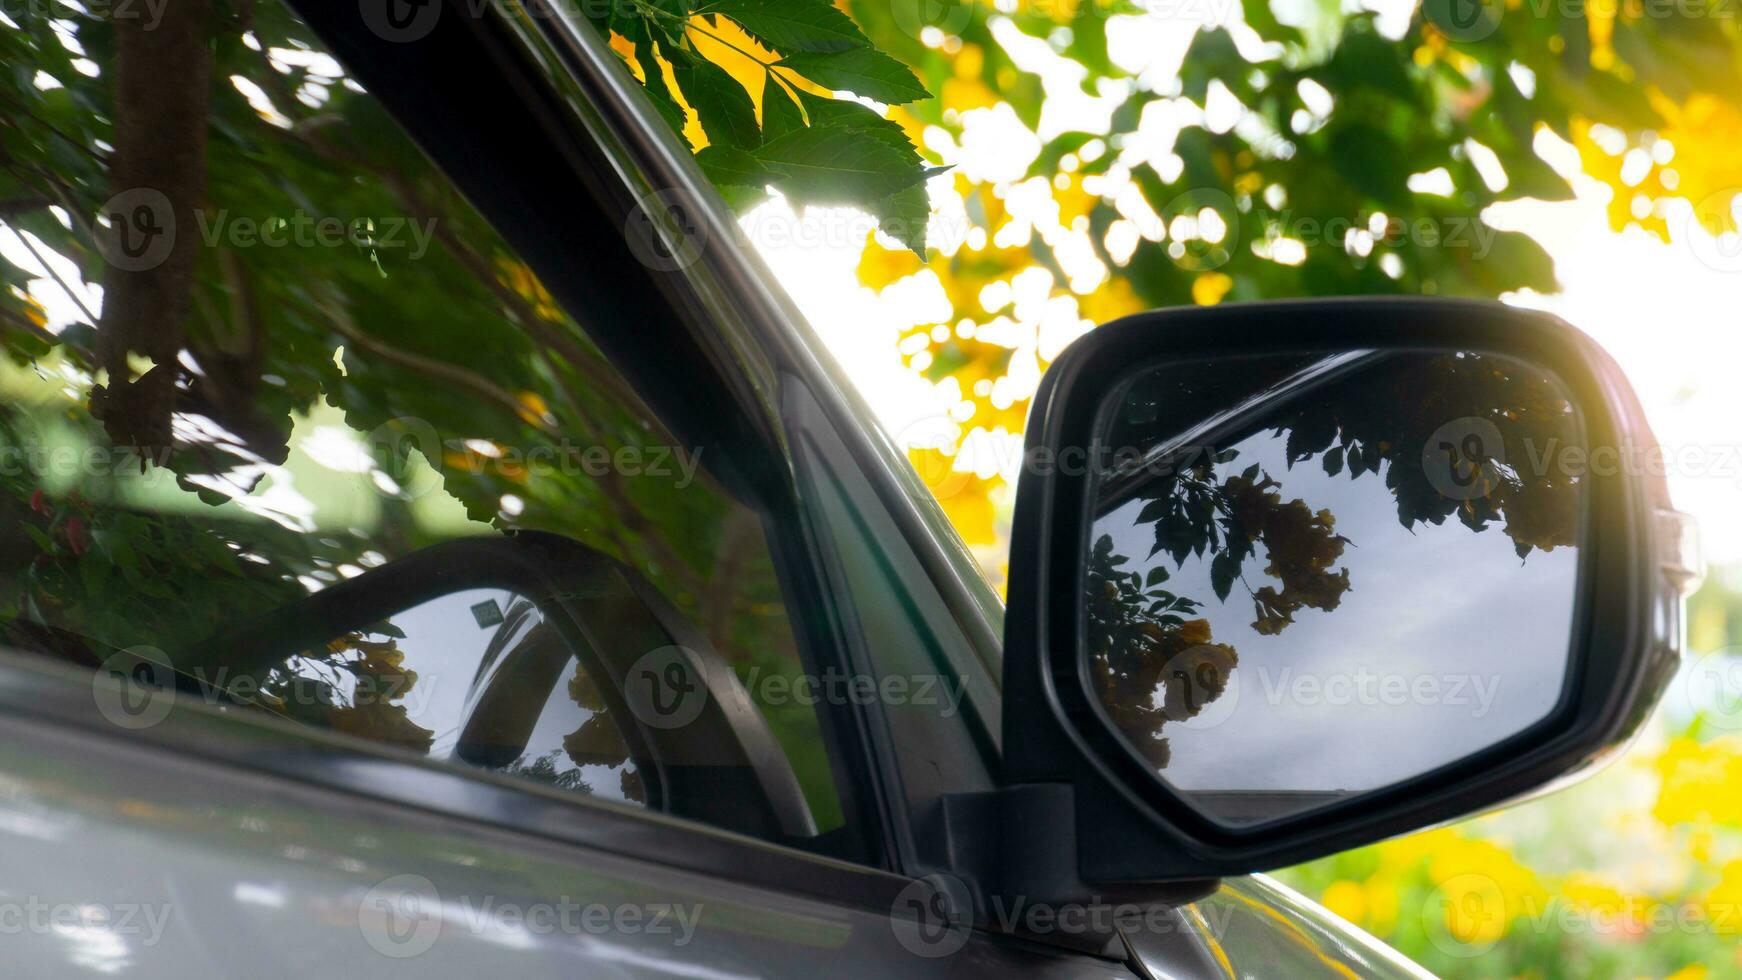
(1209, 288)
(1381, 895)
(1701, 782)
(1347, 899)
(1194, 632)
(1721, 904)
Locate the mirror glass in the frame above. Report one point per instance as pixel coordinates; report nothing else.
(1314, 576)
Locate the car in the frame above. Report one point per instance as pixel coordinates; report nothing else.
(498, 574)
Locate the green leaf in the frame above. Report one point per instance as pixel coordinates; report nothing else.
(1365, 60)
(672, 25)
(730, 165)
(904, 215)
(1047, 163)
(1366, 158)
(1527, 175)
(1223, 569)
(722, 106)
(1261, 18)
(1333, 461)
(837, 165)
(41, 538)
(861, 71)
(1511, 260)
(854, 115)
(780, 114)
(793, 25)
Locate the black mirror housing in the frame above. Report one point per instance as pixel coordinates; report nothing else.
(1082, 815)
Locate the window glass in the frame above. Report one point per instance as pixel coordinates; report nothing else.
(257, 348)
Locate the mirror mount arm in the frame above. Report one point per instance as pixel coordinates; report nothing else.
(1017, 847)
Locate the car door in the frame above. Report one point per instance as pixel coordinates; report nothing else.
(378, 370)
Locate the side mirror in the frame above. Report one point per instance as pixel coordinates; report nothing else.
(529, 655)
(1290, 578)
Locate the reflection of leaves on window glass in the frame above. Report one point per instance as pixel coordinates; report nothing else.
(354, 685)
(545, 769)
(1151, 665)
(451, 330)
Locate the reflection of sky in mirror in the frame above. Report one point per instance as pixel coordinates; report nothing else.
(445, 641)
(1318, 706)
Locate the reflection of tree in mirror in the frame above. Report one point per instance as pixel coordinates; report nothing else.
(1388, 418)
(1140, 645)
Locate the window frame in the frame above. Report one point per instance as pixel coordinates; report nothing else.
(705, 347)
(682, 384)
(653, 327)
(577, 118)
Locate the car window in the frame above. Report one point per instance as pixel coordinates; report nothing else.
(257, 349)
(527, 707)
